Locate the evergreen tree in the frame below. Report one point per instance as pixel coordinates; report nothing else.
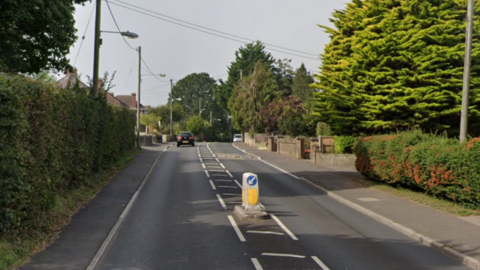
(301, 86)
(245, 60)
(394, 65)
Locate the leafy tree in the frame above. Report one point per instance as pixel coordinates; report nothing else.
(284, 75)
(301, 85)
(150, 120)
(163, 112)
(36, 35)
(395, 65)
(196, 125)
(196, 90)
(246, 59)
(250, 95)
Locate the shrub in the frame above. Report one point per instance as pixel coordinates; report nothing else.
(435, 164)
(344, 144)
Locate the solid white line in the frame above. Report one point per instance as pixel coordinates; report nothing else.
(231, 194)
(222, 165)
(284, 227)
(111, 234)
(213, 185)
(222, 202)
(319, 262)
(283, 255)
(221, 180)
(227, 187)
(217, 170)
(237, 230)
(206, 172)
(256, 264)
(203, 165)
(238, 184)
(229, 173)
(266, 232)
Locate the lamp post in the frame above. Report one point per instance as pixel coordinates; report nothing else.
(138, 93)
(466, 72)
(98, 41)
(171, 111)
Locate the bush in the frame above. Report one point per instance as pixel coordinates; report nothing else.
(53, 141)
(435, 164)
(344, 144)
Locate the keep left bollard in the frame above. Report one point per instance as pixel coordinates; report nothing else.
(251, 206)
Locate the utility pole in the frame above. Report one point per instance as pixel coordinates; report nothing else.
(138, 93)
(466, 72)
(96, 53)
(210, 118)
(200, 107)
(171, 109)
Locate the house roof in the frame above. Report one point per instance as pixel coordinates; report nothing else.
(70, 80)
(129, 100)
(111, 99)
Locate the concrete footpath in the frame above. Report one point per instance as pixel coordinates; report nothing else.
(459, 237)
(80, 240)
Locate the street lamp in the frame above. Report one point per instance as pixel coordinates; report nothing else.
(171, 108)
(96, 54)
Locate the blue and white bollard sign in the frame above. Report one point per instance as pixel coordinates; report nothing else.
(250, 191)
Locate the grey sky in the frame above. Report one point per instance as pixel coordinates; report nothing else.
(178, 51)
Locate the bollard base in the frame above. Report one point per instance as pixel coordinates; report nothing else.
(257, 212)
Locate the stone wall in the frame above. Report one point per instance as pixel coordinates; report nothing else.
(341, 160)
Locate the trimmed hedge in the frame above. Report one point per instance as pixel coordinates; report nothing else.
(52, 141)
(437, 165)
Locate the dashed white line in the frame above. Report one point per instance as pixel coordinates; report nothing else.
(213, 185)
(217, 160)
(266, 232)
(221, 202)
(203, 165)
(319, 262)
(256, 264)
(229, 173)
(238, 184)
(221, 180)
(231, 194)
(284, 227)
(283, 255)
(206, 172)
(217, 170)
(237, 230)
(227, 187)
(222, 165)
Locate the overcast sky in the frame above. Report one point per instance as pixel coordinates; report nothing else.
(178, 51)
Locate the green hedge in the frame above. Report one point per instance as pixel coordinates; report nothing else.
(52, 141)
(437, 165)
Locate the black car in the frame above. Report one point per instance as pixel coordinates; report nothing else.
(185, 137)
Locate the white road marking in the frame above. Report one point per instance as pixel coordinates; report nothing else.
(216, 180)
(221, 202)
(201, 160)
(222, 165)
(213, 185)
(227, 187)
(229, 173)
(217, 160)
(203, 165)
(266, 232)
(206, 172)
(238, 184)
(256, 264)
(319, 262)
(237, 230)
(218, 175)
(231, 194)
(283, 255)
(217, 170)
(283, 227)
(234, 203)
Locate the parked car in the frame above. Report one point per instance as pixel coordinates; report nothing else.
(185, 137)
(237, 138)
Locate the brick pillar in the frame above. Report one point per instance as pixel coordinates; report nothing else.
(314, 148)
(300, 147)
(279, 139)
(271, 144)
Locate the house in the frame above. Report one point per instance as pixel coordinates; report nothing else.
(70, 80)
(131, 102)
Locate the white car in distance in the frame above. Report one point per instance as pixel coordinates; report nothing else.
(237, 138)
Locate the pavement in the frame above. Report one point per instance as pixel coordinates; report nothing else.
(79, 241)
(456, 236)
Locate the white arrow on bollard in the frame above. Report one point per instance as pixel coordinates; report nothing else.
(251, 207)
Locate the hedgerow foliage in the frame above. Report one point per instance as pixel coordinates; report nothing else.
(52, 141)
(437, 165)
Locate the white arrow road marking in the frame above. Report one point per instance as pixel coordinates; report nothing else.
(221, 202)
(319, 262)
(256, 264)
(283, 227)
(237, 230)
(283, 255)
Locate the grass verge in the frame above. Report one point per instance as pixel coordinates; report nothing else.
(15, 251)
(422, 198)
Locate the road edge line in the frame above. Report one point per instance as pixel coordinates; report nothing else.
(465, 259)
(113, 231)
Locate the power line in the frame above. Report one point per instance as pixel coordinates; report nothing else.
(213, 30)
(236, 39)
(116, 24)
(83, 37)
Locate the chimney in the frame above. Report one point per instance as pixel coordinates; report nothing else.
(134, 100)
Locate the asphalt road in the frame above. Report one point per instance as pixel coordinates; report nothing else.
(183, 219)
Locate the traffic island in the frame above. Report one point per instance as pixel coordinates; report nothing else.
(251, 207)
